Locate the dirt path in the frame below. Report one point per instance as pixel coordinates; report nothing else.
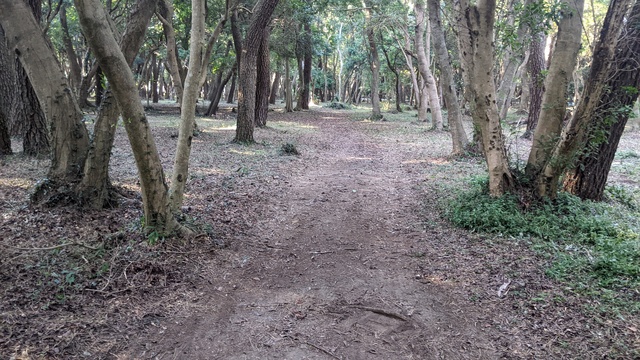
(331, 270)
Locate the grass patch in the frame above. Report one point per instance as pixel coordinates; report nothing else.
(594, 247)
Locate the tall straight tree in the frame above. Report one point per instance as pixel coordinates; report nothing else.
(454, 115)
(263, 84)
(248, 70)
(475, 37)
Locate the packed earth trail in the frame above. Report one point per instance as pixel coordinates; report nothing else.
(330, 272)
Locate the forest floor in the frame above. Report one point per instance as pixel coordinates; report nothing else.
(339, 252)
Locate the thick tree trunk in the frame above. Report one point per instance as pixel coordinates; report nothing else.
(157, 212)
(95, 189)
(69, 135)
(554, 103)
(374, 63)
(590, 111)
(192, 85)
(589, 175)
(536, 67)
(454, 115)
(263, 80)
(475, 35)
(248, 70)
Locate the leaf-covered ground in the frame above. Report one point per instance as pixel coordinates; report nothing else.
(339, 252)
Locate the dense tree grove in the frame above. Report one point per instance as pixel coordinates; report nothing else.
(576, 77)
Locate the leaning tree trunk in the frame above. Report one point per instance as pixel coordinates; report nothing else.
(475, 36)
(69, 135)
(155, 197)
(95, 189)
(75, 70)
(561, 67)
(589, 175)
(248, 70)
(454, 115)
(536, 88)
(374, 63)
(263, 80)
(590, 114)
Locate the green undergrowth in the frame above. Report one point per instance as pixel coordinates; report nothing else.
(594, 248)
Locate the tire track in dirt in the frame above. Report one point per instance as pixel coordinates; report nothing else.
(330, 272)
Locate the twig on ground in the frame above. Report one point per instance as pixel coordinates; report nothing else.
(323, 350)
(381, 312)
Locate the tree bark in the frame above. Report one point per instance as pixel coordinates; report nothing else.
(576, 134)
(454, 115)
(554, 103)
(263, 80)
(248, 70)
(157, 211)
(423, 63)
(589, 175)
(69, 135)
(475, 36)
(7, 76)
(536, 67)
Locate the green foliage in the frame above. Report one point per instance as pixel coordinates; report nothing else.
(595, 247)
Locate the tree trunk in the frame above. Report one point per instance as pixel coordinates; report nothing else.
(374, 63)
(263, 80)
(95, 189)
(155, 73)
(475, 36)
(536, 67)
(69, 135)
(232, 88)
(561, 67)
(454, 115)
(288, 96)
(275, 86)
(589, 175)
(248, 70)
(192, 85)
(422, 51)
(591, 114)
(157, 212)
